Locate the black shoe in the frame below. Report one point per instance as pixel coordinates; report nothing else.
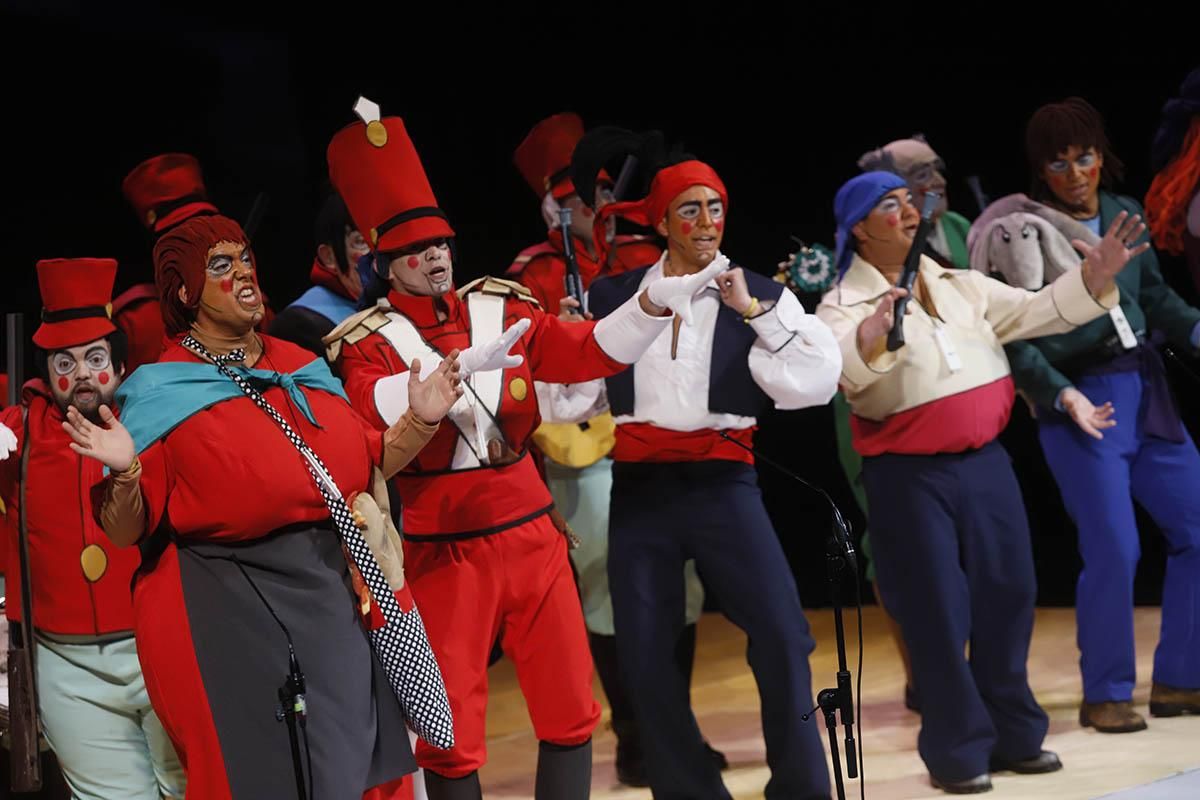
(977, 785)
(717, 757)
(1043, 762)
(910, 699)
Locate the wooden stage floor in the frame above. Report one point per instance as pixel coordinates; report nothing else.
(726, 703)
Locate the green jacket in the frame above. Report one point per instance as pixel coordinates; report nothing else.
(1148, 303)
(955, 226)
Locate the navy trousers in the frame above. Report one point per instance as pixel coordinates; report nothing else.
(951, 543)
(711, 511)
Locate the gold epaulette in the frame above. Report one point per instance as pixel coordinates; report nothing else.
(353, 329)
(500, 287)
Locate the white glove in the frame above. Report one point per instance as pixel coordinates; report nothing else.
(676, 292)
(494, 354)
(8, 442)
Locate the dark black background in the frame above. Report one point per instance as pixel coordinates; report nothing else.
(781, 103)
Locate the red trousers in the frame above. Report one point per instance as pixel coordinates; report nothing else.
(516, 585)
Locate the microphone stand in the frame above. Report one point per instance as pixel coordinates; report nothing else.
(293, 708)
(839, 555)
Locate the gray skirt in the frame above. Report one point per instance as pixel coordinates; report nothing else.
(355, 730)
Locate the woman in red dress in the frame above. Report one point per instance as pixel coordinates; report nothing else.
(243, 565)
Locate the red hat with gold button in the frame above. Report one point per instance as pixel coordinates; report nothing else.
(377, 171)
(166, 190)
(76, 301)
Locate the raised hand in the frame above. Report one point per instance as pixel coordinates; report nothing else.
(873, 330)
(110, 444)
(1103, 261)
(494, 354)
(430, 399)
(676, 292)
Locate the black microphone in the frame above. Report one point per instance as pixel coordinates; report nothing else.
(573, 281)
(912, 265)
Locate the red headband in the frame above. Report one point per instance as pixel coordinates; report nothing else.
(668, 184)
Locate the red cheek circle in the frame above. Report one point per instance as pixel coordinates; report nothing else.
(686, 227)
(893, 220)
(720, 225)
(227, 285)
(413, 262)
(1093, 172)
(103, 378)
(64, 384)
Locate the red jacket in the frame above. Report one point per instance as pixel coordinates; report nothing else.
(136, 313)
(543, 267)
(440, 500)
(61, 527)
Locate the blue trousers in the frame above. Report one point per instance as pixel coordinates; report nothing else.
(711, 511)
(951, 543)
(1099, 481)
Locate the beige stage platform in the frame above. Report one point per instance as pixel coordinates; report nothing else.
(727, 706)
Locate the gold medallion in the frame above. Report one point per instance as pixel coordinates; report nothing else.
(94, 561)
(376, 133)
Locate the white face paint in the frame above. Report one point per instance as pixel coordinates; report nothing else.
(424, 269)
(922, 169)
(84, 377)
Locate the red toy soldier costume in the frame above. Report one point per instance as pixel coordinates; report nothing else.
(484, 558)
(92, 697)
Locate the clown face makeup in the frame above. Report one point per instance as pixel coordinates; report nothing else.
(423, 269)
(886, 234)
(1074, 179)
(921, 168)
(230, 301)
(84, 377)
(928, 177)
(583, 217)
(694, 227)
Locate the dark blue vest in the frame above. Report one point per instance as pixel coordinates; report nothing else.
(731, 387)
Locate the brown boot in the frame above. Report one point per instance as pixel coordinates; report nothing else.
(1111, 717)
(1167, 701)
